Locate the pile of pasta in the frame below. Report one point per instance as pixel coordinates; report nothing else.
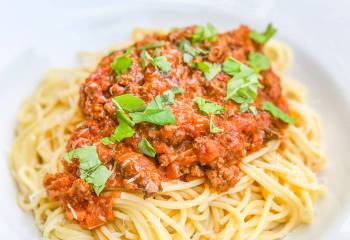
(276, 191)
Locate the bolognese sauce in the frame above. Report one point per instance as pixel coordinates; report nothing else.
(185, 149)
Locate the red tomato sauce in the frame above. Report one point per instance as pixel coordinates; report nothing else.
(185, 150)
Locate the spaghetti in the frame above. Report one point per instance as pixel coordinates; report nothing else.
(275, 193)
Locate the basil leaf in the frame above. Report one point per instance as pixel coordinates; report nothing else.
(137, 117)
(129, 102)
(121, 64)
(146, 148)
(243, 92)
(262, 38)
(84, 173)
(156, 116)
(165, 99)
(124, 128)
(187, 58)
(209, 70)
(232, 66)
(168, 97)
(90, 167)
(174, 90)
(207, 106)
(122, 131)
(107, 141)
(277, 113)
(153, 45)
(244, 107)
(162, 64)
(185, 46)
(189, 52)
(205, 33)
(98, 178)
(145, 58)
(253, 109)
(122, 116)
(213, 128)
(156, 111)
(87, 155)
(159, 62)
(243, 87)
(258, 61)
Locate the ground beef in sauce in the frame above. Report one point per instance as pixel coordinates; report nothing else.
(186, 150)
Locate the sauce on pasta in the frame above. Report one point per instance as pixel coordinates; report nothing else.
(185, 150)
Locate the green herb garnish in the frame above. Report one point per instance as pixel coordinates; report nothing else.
(163, 100)
(159, 62)
(258, 61)
(129, 102)
(122, 63)
(210, 70)
(213, 128)
(205, 33)
(107, 140)
(146, 148)
(156, 111)
(262, 38)
(124, 129)
(98, 178)
(162, 64)
(187, 58)
(277, 113)
(122, 116)
(232, 66)
(158, 117)
(145, 58)
(90, 167)
(190, 52)
(243, 87)
(207, 106)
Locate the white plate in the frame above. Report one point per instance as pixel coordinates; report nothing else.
(321, 48)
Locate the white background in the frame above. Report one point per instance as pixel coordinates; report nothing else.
(23, 22)
(320, 27)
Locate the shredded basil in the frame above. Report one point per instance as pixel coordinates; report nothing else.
(124, 129)
(210, 70)
(263, 37)
(207, 106)
(243, 87)
(213, 128)
(190, 52)
(258, 61)
(156, 111)
(129, 102)
(158, 117)
(163, 100)
(205, 33)
(146, 148)
(157, 61)
(122, 63)
(90, 167)
(277, 113)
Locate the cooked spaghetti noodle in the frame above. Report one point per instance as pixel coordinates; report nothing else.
(275, 193)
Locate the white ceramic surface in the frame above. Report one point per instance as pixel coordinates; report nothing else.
(317, 31)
